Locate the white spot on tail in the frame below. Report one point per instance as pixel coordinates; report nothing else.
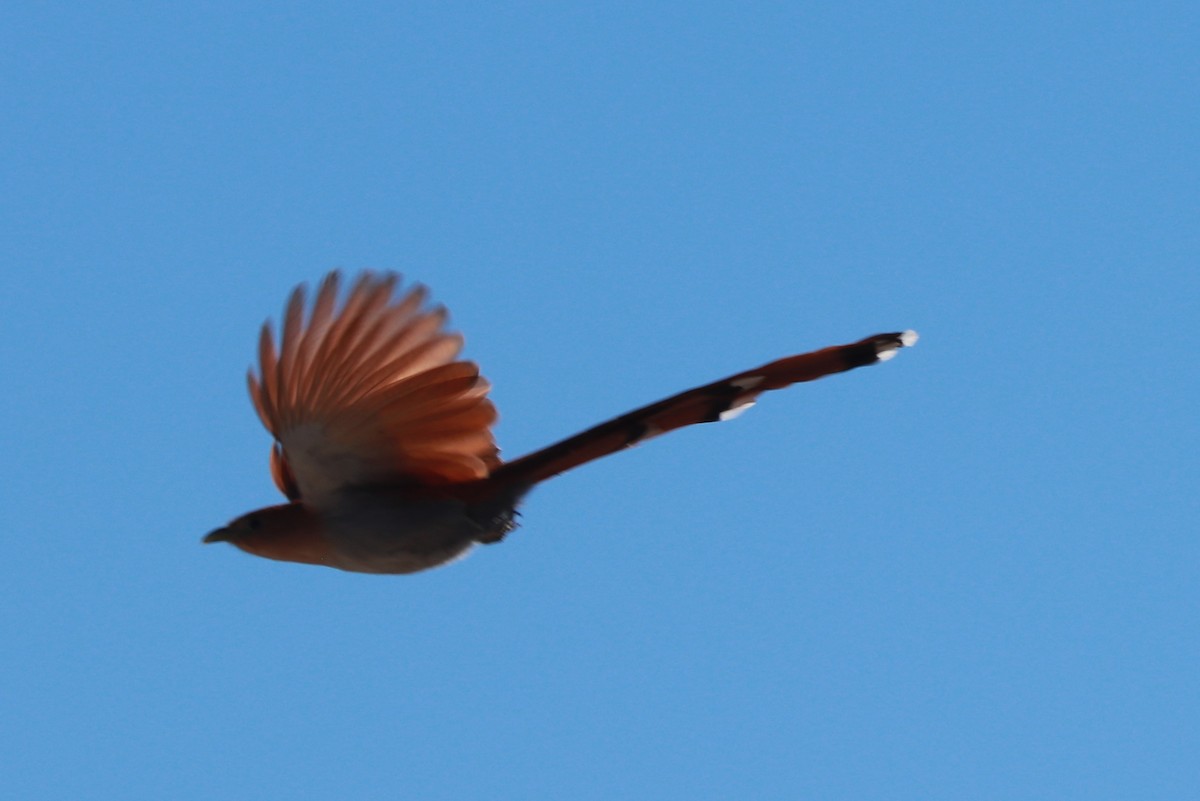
(887, 350)
(734, 411)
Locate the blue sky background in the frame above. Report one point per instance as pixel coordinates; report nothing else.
(969, 573)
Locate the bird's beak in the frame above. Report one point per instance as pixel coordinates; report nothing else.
(220, 535)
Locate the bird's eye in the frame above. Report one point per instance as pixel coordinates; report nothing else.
(253, 523)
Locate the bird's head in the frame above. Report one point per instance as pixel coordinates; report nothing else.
(289, 532)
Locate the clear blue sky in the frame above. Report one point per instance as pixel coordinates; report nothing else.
(968, 573)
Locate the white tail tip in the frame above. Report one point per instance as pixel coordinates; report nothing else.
(886, 345)
(734, 411)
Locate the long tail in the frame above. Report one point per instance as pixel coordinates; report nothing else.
(720, 400)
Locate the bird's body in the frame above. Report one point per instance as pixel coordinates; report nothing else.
(383, 440)
(377, 531)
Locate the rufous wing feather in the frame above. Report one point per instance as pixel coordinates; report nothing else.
(371, 393)
(281, 474)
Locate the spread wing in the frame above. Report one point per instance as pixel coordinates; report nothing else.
(370, 393)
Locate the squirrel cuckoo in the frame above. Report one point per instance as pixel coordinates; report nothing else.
(383, 442)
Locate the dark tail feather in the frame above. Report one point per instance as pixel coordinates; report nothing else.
(720, 400)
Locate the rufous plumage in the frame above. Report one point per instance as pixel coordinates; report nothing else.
(383, 443)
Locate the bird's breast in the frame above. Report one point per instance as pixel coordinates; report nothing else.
(381, 532)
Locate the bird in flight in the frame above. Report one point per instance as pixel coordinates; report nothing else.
(383, 442)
